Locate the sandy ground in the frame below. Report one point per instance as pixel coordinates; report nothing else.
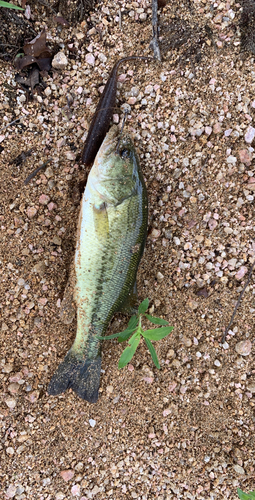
(185, 431)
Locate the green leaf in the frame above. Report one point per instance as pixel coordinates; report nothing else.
(131, 327)
(244, 496)
(157, 333)
(134, 337)
(125, 335)
(128, 353)
(143, 306)
(153, 353)
(10, 5)
(133, 322)
(155, 320)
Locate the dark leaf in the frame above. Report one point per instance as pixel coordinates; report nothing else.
(32, 79)
(23, 62)
(37, 46)
(153, 353)
(44, 63)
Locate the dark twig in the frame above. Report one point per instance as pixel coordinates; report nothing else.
(237, 304)
(154, 42)
(11, 123)
(35, 172)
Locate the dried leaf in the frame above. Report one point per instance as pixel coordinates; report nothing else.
(32, 79)
(37, 46)
(23, 62)
(61, 20)
(44, 63)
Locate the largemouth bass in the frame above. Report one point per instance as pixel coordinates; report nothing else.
(111, 236)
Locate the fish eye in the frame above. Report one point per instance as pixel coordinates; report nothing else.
(125, 153)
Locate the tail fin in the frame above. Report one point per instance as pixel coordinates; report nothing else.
(83, 376)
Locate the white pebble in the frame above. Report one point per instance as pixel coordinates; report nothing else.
(60, 61)
(250, 134)
(92, 422)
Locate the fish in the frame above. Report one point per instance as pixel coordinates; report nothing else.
(111, 236)
(100, 123)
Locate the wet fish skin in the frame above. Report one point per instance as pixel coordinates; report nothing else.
(111, 236)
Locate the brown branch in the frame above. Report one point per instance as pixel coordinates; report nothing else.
(35, 172)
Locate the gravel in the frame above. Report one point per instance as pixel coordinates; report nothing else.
(187, 430)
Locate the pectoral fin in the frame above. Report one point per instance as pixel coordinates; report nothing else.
(101, 220)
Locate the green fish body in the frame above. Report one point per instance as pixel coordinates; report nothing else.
(112, 232)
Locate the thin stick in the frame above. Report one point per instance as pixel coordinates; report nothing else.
(154, 42)
(237, 304)
(11, 123)
(35, 172)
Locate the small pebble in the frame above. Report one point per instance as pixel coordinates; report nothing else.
(59, 61)
(92, 422)
(250, 134)
(67, 475)
(44, 199)
(244, 347)
(11, 403)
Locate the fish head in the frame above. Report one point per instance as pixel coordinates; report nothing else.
(115, 171)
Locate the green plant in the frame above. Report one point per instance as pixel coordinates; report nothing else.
(10, 5)
(246, 496)
(134, 332)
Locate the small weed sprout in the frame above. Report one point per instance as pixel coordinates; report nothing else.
(10, 5)
(246, 496)
(134, 331)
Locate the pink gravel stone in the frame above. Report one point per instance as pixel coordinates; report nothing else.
(208, 130)
(44, 199)
(217, 128)
(155, 233)
(11, 491)
(244, 347)
(76, 490)
(166, 412)
(90, 59)
(241, 272)
(31, 212)
(52, 206)
(172, 386)
(67, 474)
(245, 156)
(212, 224)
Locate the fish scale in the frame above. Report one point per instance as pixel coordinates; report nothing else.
(111, 236)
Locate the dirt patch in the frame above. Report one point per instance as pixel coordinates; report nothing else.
(186, 431)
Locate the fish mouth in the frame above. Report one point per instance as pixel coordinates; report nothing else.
(111, 141)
